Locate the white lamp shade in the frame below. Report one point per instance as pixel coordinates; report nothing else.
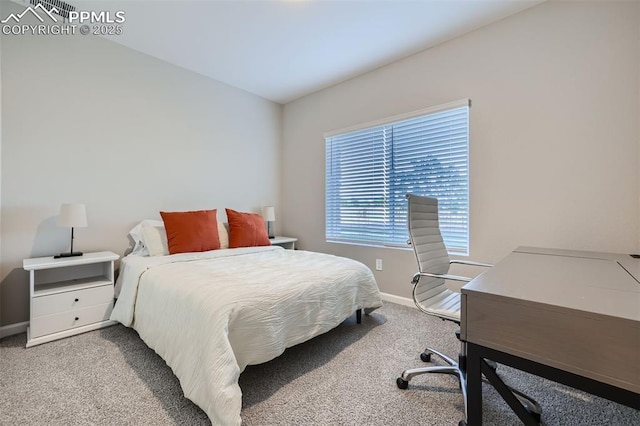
(269, 213)
(73, 216)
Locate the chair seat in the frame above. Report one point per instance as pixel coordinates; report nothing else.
(446, 305)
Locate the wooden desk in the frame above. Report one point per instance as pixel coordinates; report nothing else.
(569, 316)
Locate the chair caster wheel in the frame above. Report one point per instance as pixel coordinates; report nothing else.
(402, 384)
(425, 356)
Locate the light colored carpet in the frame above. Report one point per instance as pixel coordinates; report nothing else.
(344, 377)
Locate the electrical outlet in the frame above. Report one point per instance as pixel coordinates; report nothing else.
(378, 264)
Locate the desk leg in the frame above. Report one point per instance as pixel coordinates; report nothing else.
(474, 386)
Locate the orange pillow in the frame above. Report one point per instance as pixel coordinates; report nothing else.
(246, 230)
(191, 231)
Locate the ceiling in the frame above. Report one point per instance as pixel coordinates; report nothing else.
(282, 50)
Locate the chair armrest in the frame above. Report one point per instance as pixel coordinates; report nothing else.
(470, 262)
(417, 276)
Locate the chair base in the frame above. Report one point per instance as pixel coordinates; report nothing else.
(453, 369)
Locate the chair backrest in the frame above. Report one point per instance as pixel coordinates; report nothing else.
(429, 248)
(424, 232)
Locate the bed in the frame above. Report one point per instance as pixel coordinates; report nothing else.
(210, 314)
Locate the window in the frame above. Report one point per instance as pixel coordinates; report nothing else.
(369, 170)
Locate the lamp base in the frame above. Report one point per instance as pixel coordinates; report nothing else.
(71, 254)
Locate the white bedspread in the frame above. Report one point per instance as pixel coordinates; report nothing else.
(210, 314)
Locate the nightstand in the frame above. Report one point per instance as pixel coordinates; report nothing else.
(69, 296)
(286, 242)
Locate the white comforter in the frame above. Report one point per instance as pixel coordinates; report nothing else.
(209, 315)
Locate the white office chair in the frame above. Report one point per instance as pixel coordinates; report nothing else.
(431, 295)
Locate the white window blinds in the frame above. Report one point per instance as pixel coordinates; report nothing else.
(369, 171)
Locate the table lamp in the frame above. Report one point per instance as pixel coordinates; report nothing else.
(269, 214)
(72, 216)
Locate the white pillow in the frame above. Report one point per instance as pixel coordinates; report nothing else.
(150, 238)
(155, 239)
(136, 235)
(223, 234)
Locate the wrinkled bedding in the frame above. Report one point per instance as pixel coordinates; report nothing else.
(210, 314)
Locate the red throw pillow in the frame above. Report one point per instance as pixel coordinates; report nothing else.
(191, 231)
(246, 230)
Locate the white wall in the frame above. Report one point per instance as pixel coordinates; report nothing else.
(554, 137)
(88, 120)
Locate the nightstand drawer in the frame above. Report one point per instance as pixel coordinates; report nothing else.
(64, 321)
(71, 300)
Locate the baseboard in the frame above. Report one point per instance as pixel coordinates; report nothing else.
(404, 301)
(10, 330)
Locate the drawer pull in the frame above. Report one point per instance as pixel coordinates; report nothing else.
(77, 318)
(77, 300)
